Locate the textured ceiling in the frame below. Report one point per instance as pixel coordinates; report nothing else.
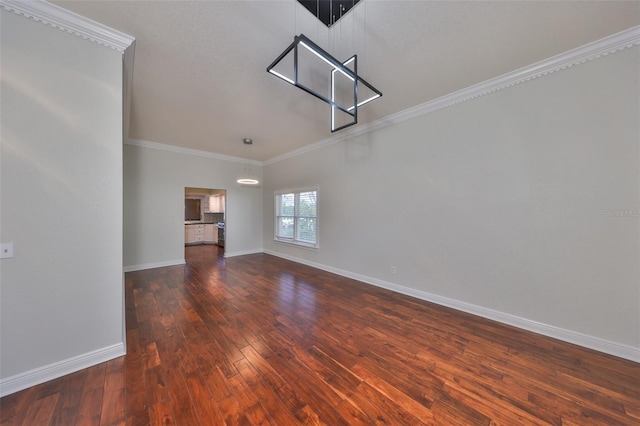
(199, 74)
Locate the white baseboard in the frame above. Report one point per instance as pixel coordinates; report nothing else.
(58, 369)
(143, 266)
(601, 345)
(242, 253)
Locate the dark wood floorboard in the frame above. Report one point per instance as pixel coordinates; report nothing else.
(258, 340)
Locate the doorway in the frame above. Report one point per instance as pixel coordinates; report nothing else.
(205, 217)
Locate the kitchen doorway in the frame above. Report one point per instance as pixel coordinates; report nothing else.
(205, 217)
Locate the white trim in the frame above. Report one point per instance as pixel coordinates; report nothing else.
(58, 17)
(298, 245)
(65, 20)
(242, 253)
(127, 87)
(124, 314)
(153, 265)
(584, 340)
(188, 151)
(58, 369)
(291, 191)
(588, 52)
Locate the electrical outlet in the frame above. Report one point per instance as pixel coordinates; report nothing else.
(6, 250)
(393, 269)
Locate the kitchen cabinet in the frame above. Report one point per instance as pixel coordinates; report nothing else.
(216, 203)
(198, 233)
(209, 231)
(194, 234)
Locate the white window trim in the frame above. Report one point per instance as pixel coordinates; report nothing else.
(289, 241)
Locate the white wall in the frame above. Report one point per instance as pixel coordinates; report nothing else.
(499, 204)
(61, 296)
(154, 182)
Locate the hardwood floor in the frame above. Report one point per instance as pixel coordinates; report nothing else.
(261, 340)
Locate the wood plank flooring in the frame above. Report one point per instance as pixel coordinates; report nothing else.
(258, 340)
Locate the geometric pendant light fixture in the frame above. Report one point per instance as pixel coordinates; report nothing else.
(307, 66)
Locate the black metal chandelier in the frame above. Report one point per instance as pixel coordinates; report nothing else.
(307, 66)
(347, 91)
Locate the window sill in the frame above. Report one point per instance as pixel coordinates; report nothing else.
(301, 245)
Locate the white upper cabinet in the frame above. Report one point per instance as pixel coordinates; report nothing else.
(216, 203)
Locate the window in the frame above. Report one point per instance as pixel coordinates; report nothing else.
(297, 217)
(191, 209)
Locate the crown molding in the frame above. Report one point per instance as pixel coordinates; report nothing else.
(127, 86)
(580, 55)
(65, 20)
(189, 151)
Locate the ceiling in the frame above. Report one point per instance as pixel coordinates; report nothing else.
(200, 77)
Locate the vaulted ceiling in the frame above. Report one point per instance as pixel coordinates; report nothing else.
(200, 77)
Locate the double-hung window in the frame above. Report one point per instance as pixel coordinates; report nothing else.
(297, 217)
